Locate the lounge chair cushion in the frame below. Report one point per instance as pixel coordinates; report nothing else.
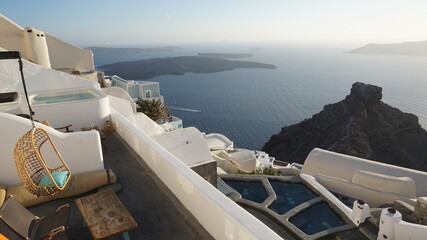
(78, 184)
(386, 183)
(2, 194)
(374, 198)
(59, 177)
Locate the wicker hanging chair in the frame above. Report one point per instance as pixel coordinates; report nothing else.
(35, 174)
(33, 170)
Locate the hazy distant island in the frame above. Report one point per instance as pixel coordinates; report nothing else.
(106, 51)
(406, 48)
(144, 69)
(361, 125)
(225, 55)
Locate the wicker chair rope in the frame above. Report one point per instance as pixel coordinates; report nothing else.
(32, 166)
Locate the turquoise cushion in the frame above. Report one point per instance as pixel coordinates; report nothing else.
(59, 177)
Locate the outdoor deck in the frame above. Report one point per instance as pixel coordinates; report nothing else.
(158, 213)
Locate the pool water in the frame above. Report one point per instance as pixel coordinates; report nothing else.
(68, 96)
(317, 218)
(289, 195)
(314, 219)
(250, 190)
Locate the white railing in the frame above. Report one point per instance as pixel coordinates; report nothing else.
(219, 215)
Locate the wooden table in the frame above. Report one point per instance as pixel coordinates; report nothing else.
(105, 215)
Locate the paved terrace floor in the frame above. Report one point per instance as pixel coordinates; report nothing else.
(157, 211)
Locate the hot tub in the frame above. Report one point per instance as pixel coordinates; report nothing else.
(78, 107)
(64, 96)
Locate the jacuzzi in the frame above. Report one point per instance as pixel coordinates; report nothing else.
(79, 107)
(64, 96)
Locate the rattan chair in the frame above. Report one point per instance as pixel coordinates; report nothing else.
(29, 226)
(32, 167)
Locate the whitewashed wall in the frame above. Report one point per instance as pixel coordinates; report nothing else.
(121, 94)
(38, 78)
(219, 215)
(79, 114)
(80, 150)
(140, 120)
(12, 36)
(45, 50)
(65, 55)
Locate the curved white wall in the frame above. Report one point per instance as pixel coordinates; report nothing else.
(80, 113)
(186, 144)
(80, 150)
(121, 94)
(343, 166)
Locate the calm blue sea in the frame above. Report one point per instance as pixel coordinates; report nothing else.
(250, 105)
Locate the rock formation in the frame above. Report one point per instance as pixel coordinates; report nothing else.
(144, 69)
(406, 48)
(361, 125)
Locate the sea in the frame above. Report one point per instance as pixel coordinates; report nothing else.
(250, 105)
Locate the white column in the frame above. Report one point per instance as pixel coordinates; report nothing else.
(360, 213)
(389, 218)
(36, 47)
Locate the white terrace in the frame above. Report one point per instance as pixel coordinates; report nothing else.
(168, 154)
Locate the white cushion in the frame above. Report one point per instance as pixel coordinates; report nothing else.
(386, 183)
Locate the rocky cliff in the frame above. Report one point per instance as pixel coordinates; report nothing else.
(361, 125)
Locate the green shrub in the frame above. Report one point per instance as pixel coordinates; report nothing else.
(266, 171)
(154, 109)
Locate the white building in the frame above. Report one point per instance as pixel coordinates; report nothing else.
(138, 90)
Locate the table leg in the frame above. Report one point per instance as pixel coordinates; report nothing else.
(126, 236)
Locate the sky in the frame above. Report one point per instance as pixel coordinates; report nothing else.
(160, 22)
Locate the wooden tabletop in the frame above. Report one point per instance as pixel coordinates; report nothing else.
(104, 214)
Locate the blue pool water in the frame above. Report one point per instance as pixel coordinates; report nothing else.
(46, 98)
(317, 218)
(289, 195)
(253, 191)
